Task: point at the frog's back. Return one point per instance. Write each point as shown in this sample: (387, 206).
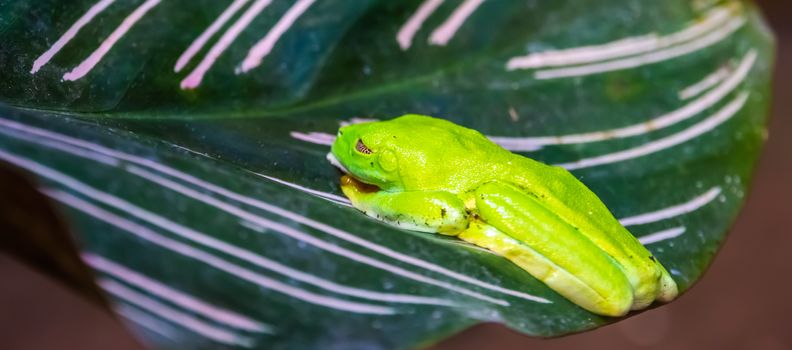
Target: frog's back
(447, 156)
(456, 138)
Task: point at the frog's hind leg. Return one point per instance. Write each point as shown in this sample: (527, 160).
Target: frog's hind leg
(514, 225)
(541, 268)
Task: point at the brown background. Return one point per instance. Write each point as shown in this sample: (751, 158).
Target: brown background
(743, 302)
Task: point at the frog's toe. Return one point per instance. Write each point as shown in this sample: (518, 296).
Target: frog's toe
(668, 288)
(654, 285)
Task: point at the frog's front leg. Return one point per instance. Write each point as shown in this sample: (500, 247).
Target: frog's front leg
(516, 225)
(426, 211)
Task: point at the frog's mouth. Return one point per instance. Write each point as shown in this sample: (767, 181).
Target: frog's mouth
(349, 178)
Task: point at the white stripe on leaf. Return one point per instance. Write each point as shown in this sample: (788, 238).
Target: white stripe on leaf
(688, 134)
(705, 84)
(174, 296)
(70, 34)
(213, 28)
(661, 235)
(622, 47)
(685, 112)
(446, 31)
(673, 211)
(144, 320)
(193, 80)
(89, 63)
(405, 35)
(214, 261)
(319, 138)
(712, 38)
(263, 48)
(324, 195)
(177, 317)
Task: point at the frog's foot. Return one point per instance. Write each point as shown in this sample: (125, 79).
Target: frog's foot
(429, 211)
(602, 294)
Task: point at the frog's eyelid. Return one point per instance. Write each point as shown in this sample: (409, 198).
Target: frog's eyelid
(362, 148)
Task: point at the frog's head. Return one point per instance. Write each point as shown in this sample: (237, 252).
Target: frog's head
(406, 152)
(369, 152)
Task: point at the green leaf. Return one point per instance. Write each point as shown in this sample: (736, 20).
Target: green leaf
(211, 217)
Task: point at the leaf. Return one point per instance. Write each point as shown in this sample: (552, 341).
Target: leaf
(207, 209)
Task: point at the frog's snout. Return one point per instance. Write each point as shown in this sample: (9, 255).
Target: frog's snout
(333, 160)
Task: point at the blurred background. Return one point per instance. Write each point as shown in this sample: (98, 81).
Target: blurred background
(741, 303)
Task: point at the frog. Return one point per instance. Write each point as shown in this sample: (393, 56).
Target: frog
(431, 175)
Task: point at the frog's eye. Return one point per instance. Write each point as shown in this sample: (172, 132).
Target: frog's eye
(362, 148)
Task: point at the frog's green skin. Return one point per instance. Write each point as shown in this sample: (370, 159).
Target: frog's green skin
(435, 176)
